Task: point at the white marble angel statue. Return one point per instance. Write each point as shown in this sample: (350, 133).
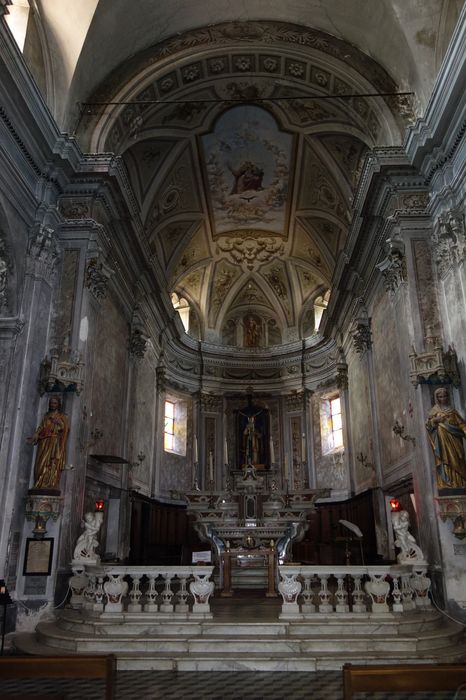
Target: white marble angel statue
(87, 542)
(404, 540)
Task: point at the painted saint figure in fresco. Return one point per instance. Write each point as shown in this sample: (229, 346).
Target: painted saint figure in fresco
(247, 177)
(447, 430)
(50, 437)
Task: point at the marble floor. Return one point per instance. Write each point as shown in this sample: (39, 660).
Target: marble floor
(251, 685)
(148, 685)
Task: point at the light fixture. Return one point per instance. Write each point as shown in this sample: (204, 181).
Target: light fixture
(395, 504)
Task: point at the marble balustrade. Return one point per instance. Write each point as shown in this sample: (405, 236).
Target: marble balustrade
(173, 590)
(307, 590)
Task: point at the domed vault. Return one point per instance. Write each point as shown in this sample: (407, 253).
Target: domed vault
(244, 150)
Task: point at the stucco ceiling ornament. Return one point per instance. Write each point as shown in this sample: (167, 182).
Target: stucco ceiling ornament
(250, 252)
(449, 241)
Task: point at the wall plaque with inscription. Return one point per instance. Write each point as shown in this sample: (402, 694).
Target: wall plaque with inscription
(38, 557)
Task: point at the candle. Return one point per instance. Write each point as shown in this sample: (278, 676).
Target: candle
(272, 453)
(303, 448)
(211, 466)
(195, 460)
(225, 451)
(286, 466)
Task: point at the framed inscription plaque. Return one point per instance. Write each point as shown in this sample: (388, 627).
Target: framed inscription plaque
(38, 557)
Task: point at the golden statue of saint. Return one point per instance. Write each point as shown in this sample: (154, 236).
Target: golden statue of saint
(447, 430)
(50, 437)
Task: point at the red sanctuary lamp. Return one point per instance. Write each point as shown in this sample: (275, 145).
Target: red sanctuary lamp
(395, 504)
(99, 505)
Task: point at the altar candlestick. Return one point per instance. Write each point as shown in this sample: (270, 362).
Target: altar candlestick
(303, 448)
(286, 466)
(272, 452)
(195, 459)
(225, 451)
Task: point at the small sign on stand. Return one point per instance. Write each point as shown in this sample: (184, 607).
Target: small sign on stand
(202, 557)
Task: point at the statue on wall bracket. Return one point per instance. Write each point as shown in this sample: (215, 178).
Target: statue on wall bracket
(447, 430)
(51, 438)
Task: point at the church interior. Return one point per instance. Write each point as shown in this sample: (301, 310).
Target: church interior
(233, 331)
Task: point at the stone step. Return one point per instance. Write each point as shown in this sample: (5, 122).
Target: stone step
(232, 641)
(330, 626)
(220, 660)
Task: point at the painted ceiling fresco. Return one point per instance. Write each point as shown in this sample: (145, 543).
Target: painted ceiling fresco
(248, 168)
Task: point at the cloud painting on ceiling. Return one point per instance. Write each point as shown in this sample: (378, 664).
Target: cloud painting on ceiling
(247, 160)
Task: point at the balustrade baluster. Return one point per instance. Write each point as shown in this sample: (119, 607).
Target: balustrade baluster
(358, 596)
(397, 597)
(115, 588)
(78, 583)
(307, 595)
(167, 594)
(99, 594)
(182, 595)
(151, 594)
(378, 589)
(89, 593)
(290, 588)
(201, 589)
(135, 594)
(341, 595)
(407, 592)
(324, 595)
(421, 583)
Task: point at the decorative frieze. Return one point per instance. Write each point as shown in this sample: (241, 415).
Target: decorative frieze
(210, 403)
(295, 401)
(434, 366)
(98, 274)
(75, 209)
(414, 200)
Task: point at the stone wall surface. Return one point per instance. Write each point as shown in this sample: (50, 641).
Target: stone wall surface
(143, 419)
(108, 403)
(390, 350)
(361, 425)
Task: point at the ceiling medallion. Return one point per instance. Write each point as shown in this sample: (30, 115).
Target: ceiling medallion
(250, 252)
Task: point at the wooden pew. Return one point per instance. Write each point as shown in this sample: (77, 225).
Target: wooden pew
(401, 678)
(19, 667)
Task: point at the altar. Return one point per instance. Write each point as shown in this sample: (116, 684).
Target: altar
(252, 519)
(246, 558)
